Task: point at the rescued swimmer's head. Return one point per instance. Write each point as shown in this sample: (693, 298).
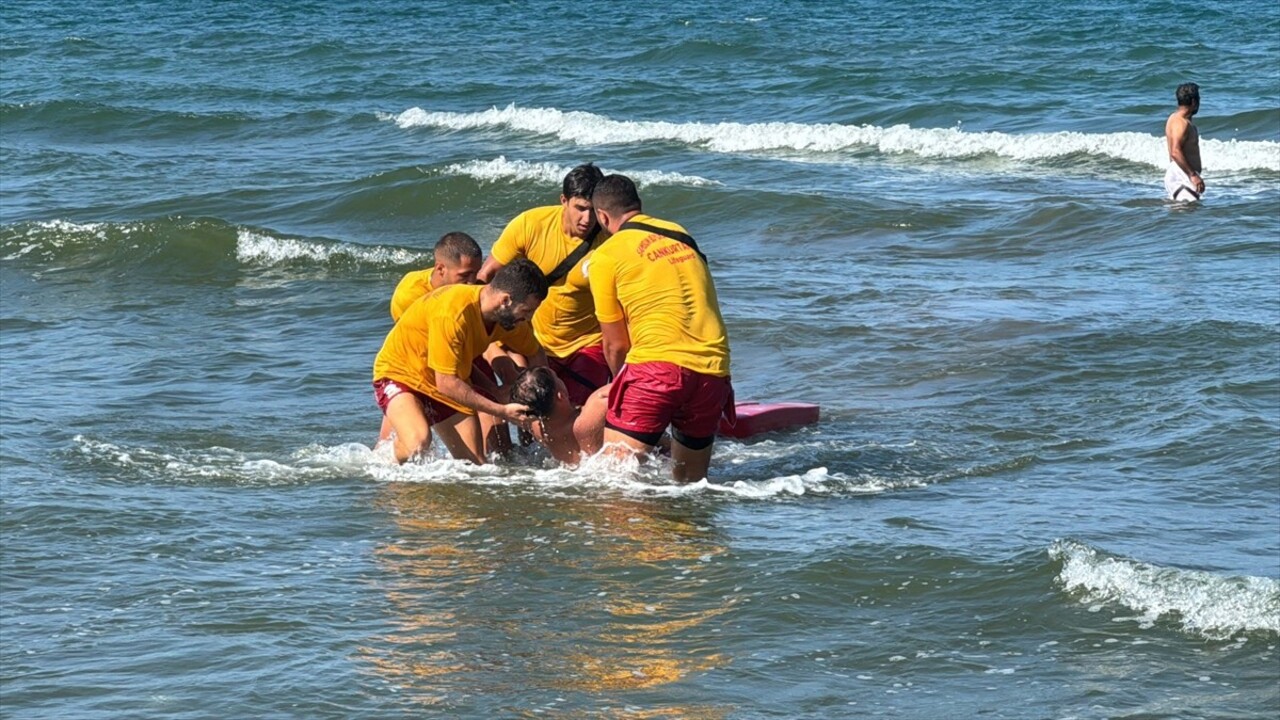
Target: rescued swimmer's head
(536, 388)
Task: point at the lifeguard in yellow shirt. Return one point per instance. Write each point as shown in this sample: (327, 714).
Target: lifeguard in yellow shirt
(455, 260)
(662, 332)
(422, 376)
(557, 238)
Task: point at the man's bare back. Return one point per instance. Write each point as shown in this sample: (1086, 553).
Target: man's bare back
(1182, 135)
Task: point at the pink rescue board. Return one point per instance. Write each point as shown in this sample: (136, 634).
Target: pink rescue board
(755, 418)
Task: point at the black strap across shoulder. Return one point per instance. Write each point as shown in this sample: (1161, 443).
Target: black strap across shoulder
(572, 258)
(673, 234)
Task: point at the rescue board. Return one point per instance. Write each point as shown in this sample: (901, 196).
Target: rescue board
(755, 418)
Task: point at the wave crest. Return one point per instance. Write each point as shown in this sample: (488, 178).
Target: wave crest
(1212, 606)
(548, 173)
(584, 128)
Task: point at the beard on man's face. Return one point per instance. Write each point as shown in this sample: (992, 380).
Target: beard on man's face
(506, 317)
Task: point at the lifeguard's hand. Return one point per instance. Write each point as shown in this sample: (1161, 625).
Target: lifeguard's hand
(518, 414)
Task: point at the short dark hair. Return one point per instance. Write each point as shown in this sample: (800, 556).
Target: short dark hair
(581, 181)
(1187, 93)
(453, 246)
(535, 387)
(616, 195)
(520, 278)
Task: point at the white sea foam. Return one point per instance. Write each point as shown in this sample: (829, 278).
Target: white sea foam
(1209, 605)
(354, 460)
(500, 168)
(215, 464)
(261, 248)
(55, 234)
(584, 128)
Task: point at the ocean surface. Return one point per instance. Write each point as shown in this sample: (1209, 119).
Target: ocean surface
(1046, 482)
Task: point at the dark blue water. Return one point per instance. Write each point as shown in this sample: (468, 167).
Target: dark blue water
(1046, 483)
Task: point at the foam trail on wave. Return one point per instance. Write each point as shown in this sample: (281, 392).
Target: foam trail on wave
(1208, 605)
(51, 233)
(260, 248)
(500, 168)
(586, 128)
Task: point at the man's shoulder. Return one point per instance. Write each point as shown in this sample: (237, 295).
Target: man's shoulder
(455, 298)
(658, 222)
(416, 277)
(539, 215)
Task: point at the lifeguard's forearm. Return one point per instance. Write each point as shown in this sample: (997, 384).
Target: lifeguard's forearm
(616, 341)
(461, 392)
(488, 270)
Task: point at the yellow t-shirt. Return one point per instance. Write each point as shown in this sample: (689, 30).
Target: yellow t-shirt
(443, 333)
(412, 286)
(565, 322)
(665, 293)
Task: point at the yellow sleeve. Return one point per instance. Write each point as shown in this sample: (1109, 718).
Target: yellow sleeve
(602, 277)
(521, 339)
(445, 346)
(511, 243)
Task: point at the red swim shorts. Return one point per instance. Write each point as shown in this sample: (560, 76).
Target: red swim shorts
(384, 389)
(582, 373)
(647, 397)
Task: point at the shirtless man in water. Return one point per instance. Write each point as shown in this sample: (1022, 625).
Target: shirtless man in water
(568, 432)
(1182, 180)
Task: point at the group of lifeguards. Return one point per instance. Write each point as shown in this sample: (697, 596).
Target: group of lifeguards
(596, 326)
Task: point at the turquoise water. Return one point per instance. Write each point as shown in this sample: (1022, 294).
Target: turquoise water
(1046, 483)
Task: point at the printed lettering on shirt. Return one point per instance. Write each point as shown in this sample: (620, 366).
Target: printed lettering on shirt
(645, 243)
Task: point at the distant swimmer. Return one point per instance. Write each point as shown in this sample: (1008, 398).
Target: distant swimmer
(422, 377)
(664, 337)
(1182, 180)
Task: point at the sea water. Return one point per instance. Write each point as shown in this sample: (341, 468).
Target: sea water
(1046, 482)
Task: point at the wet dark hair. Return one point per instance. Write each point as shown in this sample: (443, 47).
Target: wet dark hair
(581, 181)
(616, 195)
(1187, 93)
(454, 246)
(520, 278)
(535, 387)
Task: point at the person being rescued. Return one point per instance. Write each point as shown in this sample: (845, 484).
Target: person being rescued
(568, 432)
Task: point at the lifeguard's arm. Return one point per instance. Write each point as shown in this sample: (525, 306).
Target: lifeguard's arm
(490, 268)
(1176, 135)
(616, 337)
(617, 342)
(481, 382)
(461, 392)
(509, 246)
